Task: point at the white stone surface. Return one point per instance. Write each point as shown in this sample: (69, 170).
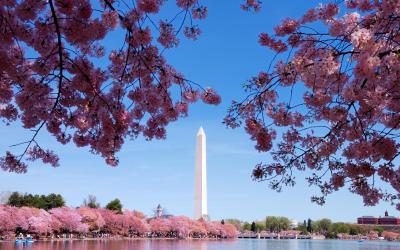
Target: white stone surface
(200, 181)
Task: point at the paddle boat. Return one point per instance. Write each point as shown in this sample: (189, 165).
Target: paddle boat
(21, 240)
(29, 239)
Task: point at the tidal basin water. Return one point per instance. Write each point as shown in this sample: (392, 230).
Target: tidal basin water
(244, 244)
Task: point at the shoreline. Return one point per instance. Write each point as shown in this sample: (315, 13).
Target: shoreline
(190, 239)
(125, 238)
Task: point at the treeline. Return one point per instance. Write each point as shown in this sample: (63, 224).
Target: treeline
(52, 200)
(322, 227)
(332, 229)
(271, 223)
(45, 202)
(91, 222)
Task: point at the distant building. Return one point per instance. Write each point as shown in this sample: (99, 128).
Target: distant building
(386, 220)
(294, 223)
(369, 220)
(160, 212)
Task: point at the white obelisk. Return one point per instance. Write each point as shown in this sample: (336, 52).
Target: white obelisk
(200, 179)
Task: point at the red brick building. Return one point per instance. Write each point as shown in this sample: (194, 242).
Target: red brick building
(369, 220)
(386, 220)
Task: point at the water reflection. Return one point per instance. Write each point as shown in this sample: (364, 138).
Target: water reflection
(203, 245)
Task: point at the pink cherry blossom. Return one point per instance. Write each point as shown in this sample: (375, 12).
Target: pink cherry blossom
(192, 32)
(50, 81)
(160, 227)
(200, 12)
(40, 223)
(7, 219)
(251, 5)
(68, 219)
(332, 104)
(185, 4)
(277, 45)
(167, 36)
(91, 217)
(85, 220)
(211, 97)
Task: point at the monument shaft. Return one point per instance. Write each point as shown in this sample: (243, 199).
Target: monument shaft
(200, 190)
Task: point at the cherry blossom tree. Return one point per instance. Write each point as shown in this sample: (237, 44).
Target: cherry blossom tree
(197, 229)
(40, 223)
(22, 216)
(7, 219)
(329, 103)
(180, 226)
(138, 214)
(67, 219)
(135, 223)
(160, 227)
(92, 217)
(230, 230)
(110, 220)
(86, 220)
(50, 79)
(91, 220)
(212, 229)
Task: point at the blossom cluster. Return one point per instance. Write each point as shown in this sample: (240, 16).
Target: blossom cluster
(49, 78)
(85, 220)
(251, 5)
(330, 103)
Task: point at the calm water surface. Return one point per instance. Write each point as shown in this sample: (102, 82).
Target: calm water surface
(207, 245)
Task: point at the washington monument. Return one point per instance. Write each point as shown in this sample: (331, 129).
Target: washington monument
(200, 179)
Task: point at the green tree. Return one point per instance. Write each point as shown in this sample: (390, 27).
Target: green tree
(53, 200)
(302, 228)
(379, 230)
(253, 227)
(91, 202)
(39, 201)
(271, 223)
(277, 224)
(338, 227)
(246, 226)
(309, 225)
(356, 229)
(115, 205)
(15, 200)
(322, 226)
(260, 226)
(283, 223)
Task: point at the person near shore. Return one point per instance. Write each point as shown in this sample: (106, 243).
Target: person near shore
(20, 236)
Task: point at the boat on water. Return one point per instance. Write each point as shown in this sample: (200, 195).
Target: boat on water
(21, 240)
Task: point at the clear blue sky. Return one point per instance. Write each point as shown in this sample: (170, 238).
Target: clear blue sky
(155, 172)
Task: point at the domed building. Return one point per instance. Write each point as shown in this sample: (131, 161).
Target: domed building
(160, 212)
(293, 223)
